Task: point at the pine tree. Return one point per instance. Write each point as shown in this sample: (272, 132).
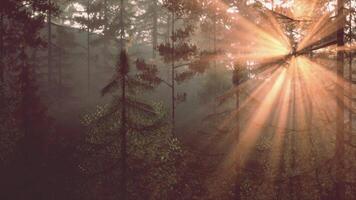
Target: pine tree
(146, 78)
(126, 114)
(179, 49)
(25, 114)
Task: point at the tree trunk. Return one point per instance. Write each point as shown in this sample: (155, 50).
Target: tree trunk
(123, 131)
(49, 22)
(173, 75)
(236, 81)
(154, 29)
(2, 62)
(217, 87)
(105, 16)
(123, 142)
(105, 28)
(350, 75)
(60, 75)
(88, 46)
(122, 25)
(340, 146)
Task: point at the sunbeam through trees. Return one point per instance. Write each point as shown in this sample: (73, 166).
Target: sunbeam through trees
(177, 99)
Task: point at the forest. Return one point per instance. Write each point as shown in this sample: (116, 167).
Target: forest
(177, 100)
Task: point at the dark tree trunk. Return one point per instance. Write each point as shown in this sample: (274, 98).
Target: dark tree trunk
(351, 72)
(154, 29)
(88, 46)
(123, 131)
(60, 74)
(105, 26)
(123, 141)
(49, 22)
(217, 87)
(105, 16)
(2, 62)
(173, 75)
(122, 25)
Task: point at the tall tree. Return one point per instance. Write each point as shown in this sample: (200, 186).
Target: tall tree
(179, 52)
(88, 44)
(127, 116)
(123, 70)
(88, 24)
(49, 42)
(340, 134)
(22, 22)
(19, 26)
(2, 47)
(154, 27)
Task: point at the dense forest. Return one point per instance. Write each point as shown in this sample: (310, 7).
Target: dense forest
(177, 99)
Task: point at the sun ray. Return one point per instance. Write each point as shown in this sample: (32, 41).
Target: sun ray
(297, 94)
(282, 121)
(250, 133)
(325, 27)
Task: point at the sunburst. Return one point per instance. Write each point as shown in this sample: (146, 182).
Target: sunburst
(299, 93)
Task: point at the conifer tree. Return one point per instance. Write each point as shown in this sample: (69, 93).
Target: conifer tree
(123, 107)
(180, 52)
(25, 113)
(127, 117)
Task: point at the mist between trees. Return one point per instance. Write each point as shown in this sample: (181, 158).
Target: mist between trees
(177, 99)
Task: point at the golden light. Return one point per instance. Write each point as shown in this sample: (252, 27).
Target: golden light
(290, 98)
(303, 9)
